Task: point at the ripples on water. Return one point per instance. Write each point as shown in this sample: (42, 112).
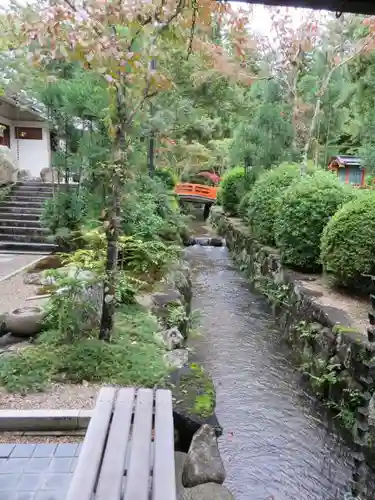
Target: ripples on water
(275, 444)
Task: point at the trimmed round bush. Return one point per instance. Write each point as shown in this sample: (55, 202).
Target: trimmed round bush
(348, 244)
(232, 189)
(302, 213)
(243, 207)
(262, 205)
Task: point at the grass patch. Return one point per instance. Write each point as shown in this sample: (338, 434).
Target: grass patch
(131, 358)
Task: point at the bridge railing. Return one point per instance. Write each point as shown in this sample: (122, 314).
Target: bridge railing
(199, 190)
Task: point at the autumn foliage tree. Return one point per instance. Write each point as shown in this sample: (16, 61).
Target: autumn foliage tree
(122, 43)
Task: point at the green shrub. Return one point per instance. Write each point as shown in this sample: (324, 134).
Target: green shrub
(66, 210)
(132, 358)
(262, 203)
(232, 189)
(166, 176)
(348, 244)
(243, 207)
(150, 212)
(303, 211)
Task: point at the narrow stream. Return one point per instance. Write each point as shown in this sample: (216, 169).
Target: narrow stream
(276, 445)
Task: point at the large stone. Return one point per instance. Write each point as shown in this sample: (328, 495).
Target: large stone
(49, 262)
(209, 491)
(194, 402)
(25, 321)
(203, 463)
(163, 303)
(8, 168)
(33, 279)
(23, 175)
(179, 460)
(3, 325)
(177, 358)
(180, 278)
(171, 338)
(46, 175)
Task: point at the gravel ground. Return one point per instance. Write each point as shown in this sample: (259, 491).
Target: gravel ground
(56, 397)
(10, 263)
(14, 293)
(356, 307)
(9, 437)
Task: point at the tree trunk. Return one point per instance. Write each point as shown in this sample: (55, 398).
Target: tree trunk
(112, 227)
(112, 234)
(307, 147)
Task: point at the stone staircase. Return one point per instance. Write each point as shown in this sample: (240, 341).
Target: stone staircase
(20, 212)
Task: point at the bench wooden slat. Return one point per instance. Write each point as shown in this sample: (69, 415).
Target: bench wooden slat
(113, 465)
(138, 474)
(164, 481)
(87, 469)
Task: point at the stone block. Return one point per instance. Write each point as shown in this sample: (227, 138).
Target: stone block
(44, 450)
(56, 481)
(23, 450)
(13, 466)
(43, 420)
(30, 482)
(37, 465)
(61, 464)
(9, 482)
(66, 450)
(209, 491)
(203, 462)
(6, 450)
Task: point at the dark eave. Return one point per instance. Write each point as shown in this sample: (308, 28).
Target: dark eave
(353, 6)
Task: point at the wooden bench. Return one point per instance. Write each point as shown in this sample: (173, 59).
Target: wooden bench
(128, 450)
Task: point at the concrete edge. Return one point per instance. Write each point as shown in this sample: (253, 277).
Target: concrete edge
(44, 420)
(23, 268)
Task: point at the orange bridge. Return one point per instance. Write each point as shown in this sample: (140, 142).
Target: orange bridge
(196, 193)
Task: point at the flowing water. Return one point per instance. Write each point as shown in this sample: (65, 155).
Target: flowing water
(277, 443)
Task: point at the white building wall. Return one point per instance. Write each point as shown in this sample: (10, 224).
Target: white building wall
(31, 155)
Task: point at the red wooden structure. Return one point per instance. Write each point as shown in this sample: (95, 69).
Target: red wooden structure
(196, 193)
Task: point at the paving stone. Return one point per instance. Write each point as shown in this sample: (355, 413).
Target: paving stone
(24, 495)
(6, 450)
(56, 481)
(66, 450)
(30, 482)
(8, 482)
(8, 495)
(13, 465)
(23, 450)
(73, 464)
(44, 450)
(50, 495)
(61, 464)
(78, 450)
(37, 464)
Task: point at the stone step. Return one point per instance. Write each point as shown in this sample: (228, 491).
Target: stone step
(22, 238)
(25, 231)
(25, 191)
(25, 205)
(26, 247)
(20, 209)
(15, 197)
(27, 216)
(4, 222)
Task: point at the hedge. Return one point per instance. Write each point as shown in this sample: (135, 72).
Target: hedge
(348, 244)
(232, 189)
(262, 204)
(302, 213)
